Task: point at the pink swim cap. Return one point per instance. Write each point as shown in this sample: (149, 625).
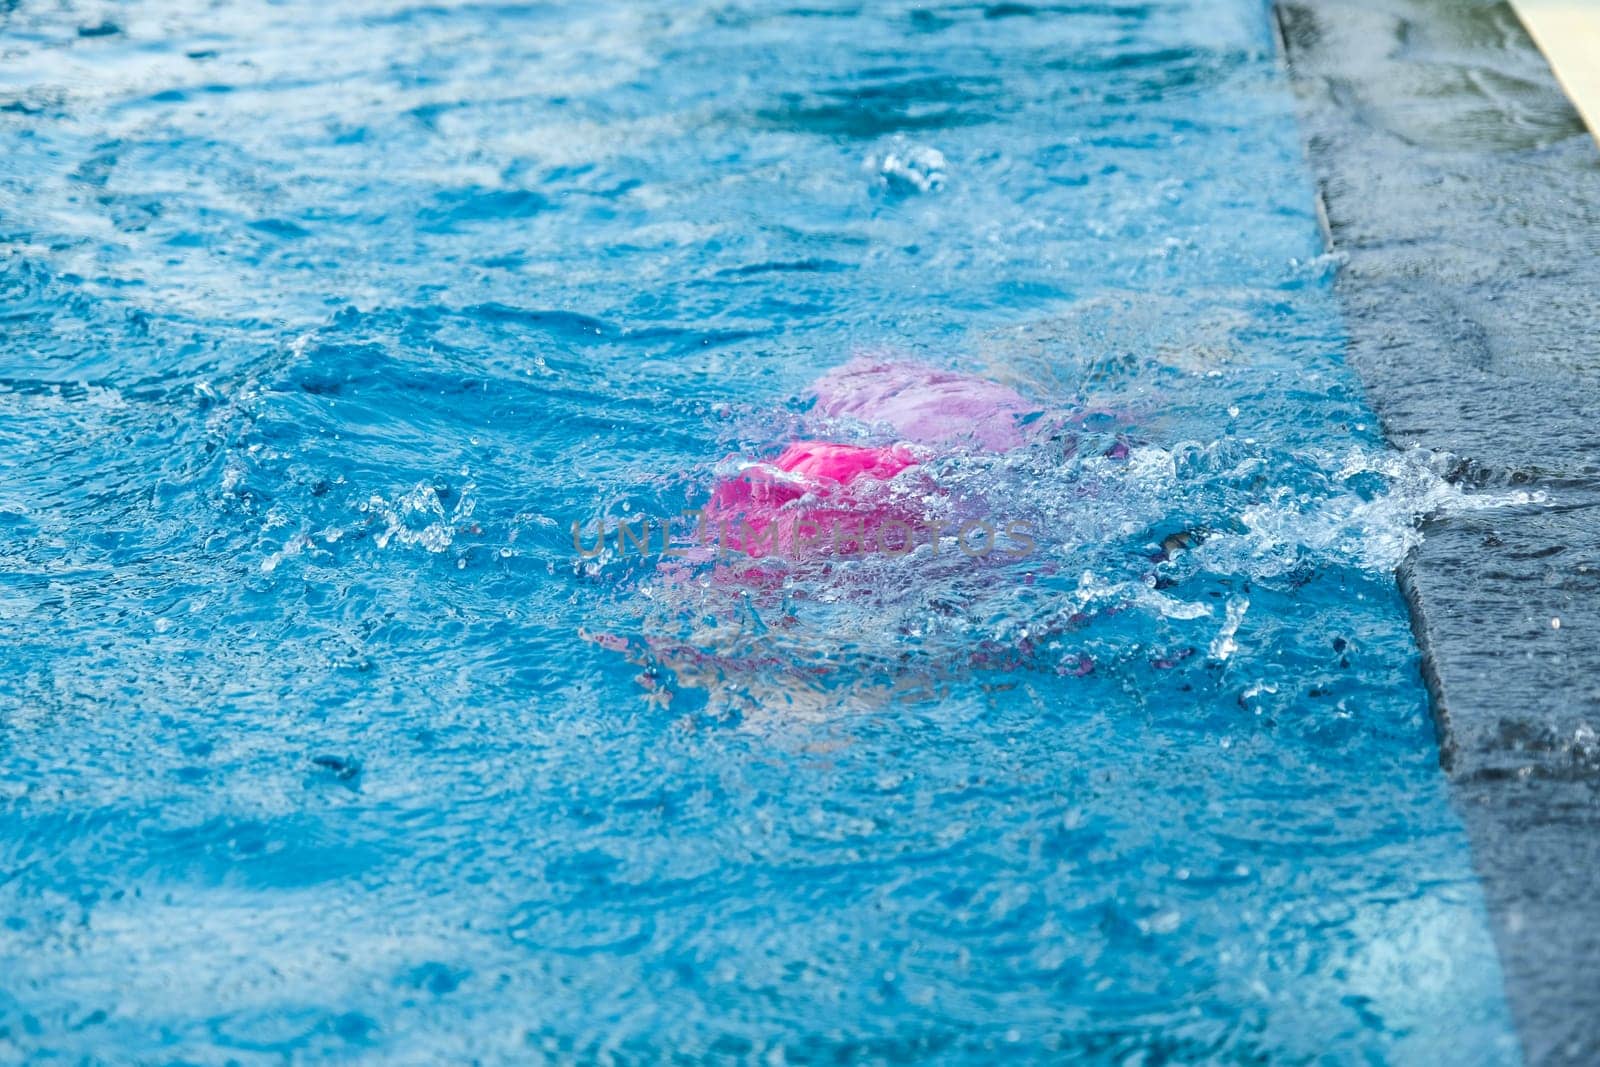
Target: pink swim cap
(820, 484)
(843, 484)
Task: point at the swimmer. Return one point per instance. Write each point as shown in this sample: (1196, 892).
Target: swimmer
(728, 630)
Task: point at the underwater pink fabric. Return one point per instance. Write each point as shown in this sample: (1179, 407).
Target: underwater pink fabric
(923, 405)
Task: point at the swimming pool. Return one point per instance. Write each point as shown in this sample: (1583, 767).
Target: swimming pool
(326, 322)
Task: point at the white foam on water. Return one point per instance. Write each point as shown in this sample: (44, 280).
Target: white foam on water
(908, 167)
(1183, 518)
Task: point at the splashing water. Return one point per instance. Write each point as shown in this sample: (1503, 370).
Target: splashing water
(1147, 532)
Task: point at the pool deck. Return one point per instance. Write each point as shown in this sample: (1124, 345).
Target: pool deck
(1462, 192)
(1568, 33)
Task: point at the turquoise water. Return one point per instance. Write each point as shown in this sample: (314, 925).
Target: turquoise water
(324, 322)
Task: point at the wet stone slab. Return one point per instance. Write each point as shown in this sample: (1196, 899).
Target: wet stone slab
(1462, 193)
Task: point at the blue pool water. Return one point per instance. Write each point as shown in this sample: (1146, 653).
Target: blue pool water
(324, 322)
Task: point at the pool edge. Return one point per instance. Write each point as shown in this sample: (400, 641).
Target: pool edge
(1491, 364)
(1564, 32)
